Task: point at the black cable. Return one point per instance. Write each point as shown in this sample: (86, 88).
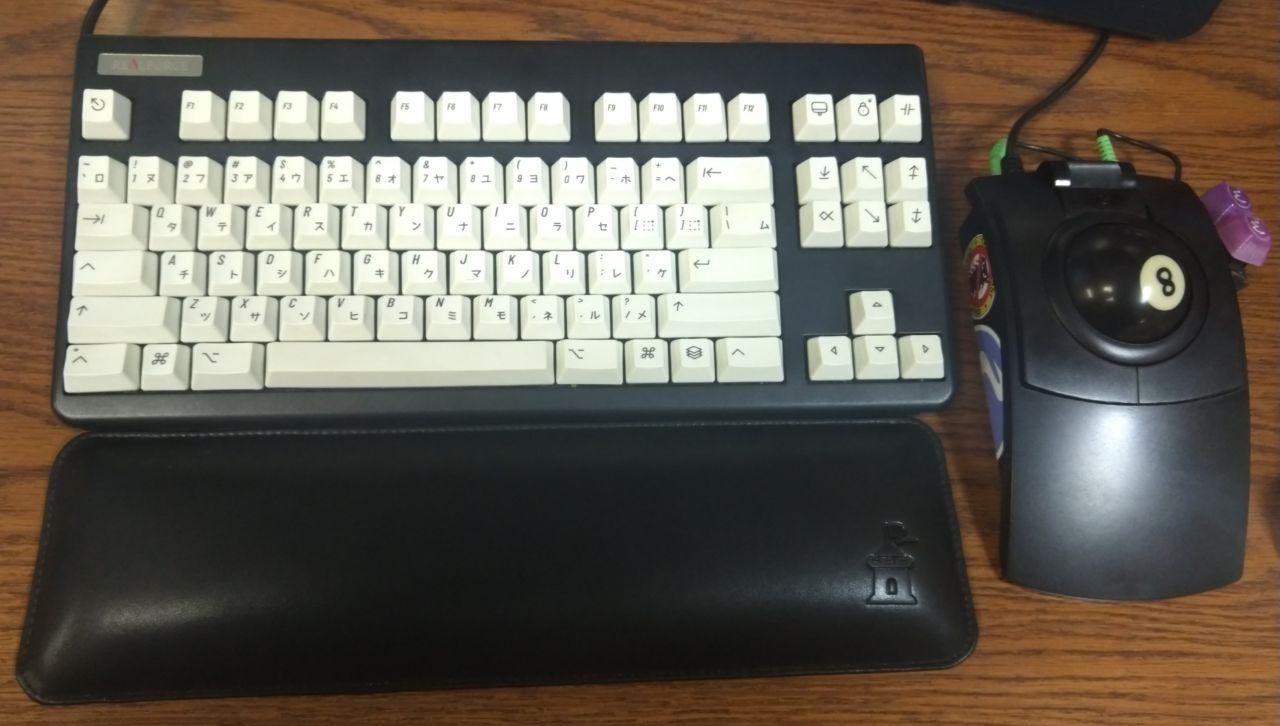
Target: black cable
(1177, 163)
(1047, 150)
(91, 17)
(1011, 161)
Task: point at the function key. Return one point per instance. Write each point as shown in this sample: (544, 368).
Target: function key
(704, 118)
(249, 115)
(342, 117)
(458, 117)
(548, 117)
(203, 117)
(503, 117)
(749, 117)
(813, 117)
(297, 116)
(413, 117)
(660, 118)
(901, 119)
(105, 115)
(615, 117)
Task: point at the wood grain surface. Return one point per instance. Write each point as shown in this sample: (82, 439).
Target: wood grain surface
(1213, 98)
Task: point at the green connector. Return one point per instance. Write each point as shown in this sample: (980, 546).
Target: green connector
(997, 155)
(1106, 151)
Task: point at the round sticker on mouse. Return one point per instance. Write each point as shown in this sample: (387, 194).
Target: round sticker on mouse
(982, 282)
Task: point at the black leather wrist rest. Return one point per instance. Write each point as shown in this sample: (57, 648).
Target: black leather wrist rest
(177, 566)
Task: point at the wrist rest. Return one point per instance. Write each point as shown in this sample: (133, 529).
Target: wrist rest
(194, 565)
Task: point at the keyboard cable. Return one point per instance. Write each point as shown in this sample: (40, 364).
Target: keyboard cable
(91, 17)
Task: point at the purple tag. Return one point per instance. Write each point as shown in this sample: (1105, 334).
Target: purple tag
(1245, 237)
(1225, 199)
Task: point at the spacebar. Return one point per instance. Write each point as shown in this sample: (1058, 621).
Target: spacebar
(410, 365)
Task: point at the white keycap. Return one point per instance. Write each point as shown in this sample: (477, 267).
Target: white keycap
(813, 117)
(231, 273)
(352, 317)
(548, 116)
(423, 273)
(713, 315)
(921, 356)
(341, 180)
(199, 181)
(253, 319)
(654, 271)
(166, 367)
(293, 180)
(615, 117)
(413, 117)
(375, 272)
(249, 116)
(645, 361)
(102, 180)
(641, 227)
(704, 118)
(303, 318)
(901, 119)
(748, 117)
(749, 224)
(862, 180)
(871, 312)
(410, 365)
(503, 117)
(728, 270)
(687, 226)
(495, 317)
(749, 360)
(662, 181)
(506, 227)
(203, 117)
(364, 227)
(587, 317)
(875, 358)
(713, 180)
(123, 320)
(328, 273)
(247, 181)
(830, 358)
(388, 180)
(660, 117)
(104, 115)
(183, 274)
(480, 181)
(866, 225)
(280, 273)
(123, 272)
(173, 227)
(596, 227)
(564, 273)
(634, 316)
(111, 227)
(820, 224)
(910, 225)
(517, 273)
(297, 116)
(589, 362)
(905, 180)
(413, 227)
(227, 367)
(221, 227)
(551, 227)
(151, 180)
(458, 227)
(618, 181)
(101, 368)
(857, 118)
(471, 273)
(608, 273)
(457, 117)
(268, 227)
(542, 317)
(573, 181)
(818, 179)
(693, 360)
(448, 317)
(342, 116)
(528, 181)
(435, 180)
(400, 317)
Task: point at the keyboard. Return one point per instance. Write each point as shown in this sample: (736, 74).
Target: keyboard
(298, 232)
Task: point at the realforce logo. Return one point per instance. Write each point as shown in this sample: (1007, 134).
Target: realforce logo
(150, 64)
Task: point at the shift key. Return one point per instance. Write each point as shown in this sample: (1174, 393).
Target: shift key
(718, 315)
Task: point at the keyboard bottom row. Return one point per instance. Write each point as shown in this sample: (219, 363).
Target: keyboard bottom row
(121, 367)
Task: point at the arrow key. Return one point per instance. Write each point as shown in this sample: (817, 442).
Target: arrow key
(875, 358)
(866, 225)
(921, 356)
(871, 312)
(905, 180)
(101, 368)
(910, 225)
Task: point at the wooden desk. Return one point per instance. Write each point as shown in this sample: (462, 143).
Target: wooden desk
(1212, 98)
